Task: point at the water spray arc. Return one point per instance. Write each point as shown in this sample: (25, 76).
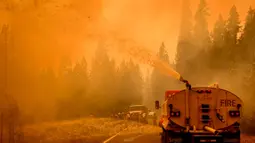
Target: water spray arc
(141, 54)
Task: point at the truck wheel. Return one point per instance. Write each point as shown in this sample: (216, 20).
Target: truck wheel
(164, 137)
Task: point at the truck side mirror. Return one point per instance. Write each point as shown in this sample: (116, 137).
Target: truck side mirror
(157, 104)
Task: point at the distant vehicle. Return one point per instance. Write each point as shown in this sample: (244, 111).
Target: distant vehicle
(121, 115)
(138, 113)
(118, 115)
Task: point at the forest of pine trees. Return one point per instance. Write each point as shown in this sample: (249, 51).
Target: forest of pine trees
(226, 55)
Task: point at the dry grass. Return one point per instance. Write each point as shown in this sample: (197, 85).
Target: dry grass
(86, 129)
(92, 130)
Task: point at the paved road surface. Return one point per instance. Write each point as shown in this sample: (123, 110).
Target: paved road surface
(155, 138)
(136, 138)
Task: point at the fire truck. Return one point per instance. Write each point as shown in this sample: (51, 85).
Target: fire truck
(200, 114)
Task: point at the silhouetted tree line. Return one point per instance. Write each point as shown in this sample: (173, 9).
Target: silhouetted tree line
(73, 90)
(103, 90)
(228, 51)
(107, 88)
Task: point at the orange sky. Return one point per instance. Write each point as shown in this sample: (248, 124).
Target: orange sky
(66, 27)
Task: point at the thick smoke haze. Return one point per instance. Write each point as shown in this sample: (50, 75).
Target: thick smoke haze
(61, 24)
(45, 31)
(150, 22)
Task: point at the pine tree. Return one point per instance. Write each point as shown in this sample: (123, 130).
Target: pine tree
(233, 26)
(184, 47)
(65, 88)
(80, 84)
(160, 82)
(246, 49)
(103, 82)
(201, 33)
(124, 85)
(186, 21)
(74, 86)
(130, 85)
(218, 32)
(202, 43)
(138, 82)
(232, 30)
(65, 76)
(218, 43)
(247, 41)
(80, 76)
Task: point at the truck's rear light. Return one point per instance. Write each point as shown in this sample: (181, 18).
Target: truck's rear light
(200, 91)
(234, 113)
(175, 114)
(208, 91)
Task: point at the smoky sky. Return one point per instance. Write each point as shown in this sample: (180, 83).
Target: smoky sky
(57, 28)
